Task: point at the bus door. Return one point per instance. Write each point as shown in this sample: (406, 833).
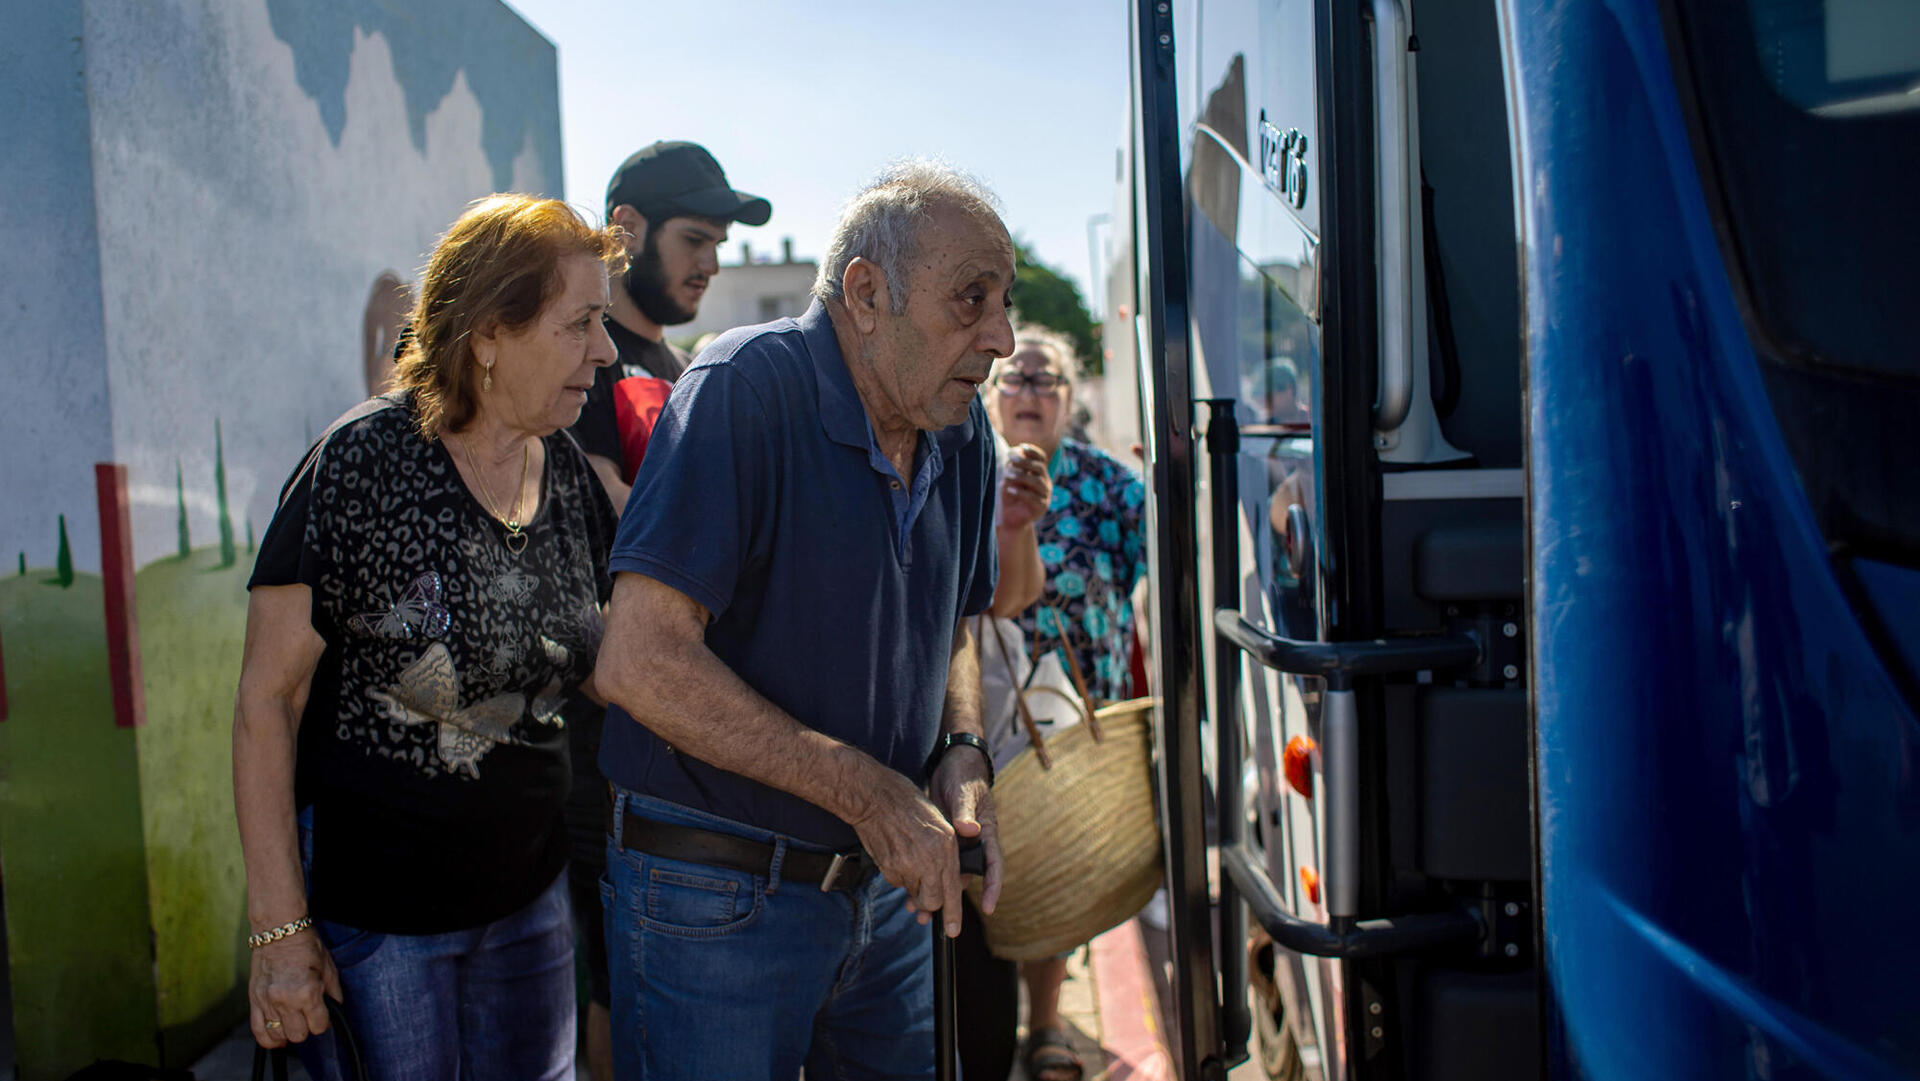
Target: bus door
(1336, 420)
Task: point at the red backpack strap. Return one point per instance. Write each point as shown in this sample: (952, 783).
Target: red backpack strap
(637, 402)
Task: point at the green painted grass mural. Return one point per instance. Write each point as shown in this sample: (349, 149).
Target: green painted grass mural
(193, 618)
(78, 936)
(126, 898)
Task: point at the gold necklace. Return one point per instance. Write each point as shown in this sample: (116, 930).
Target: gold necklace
(515, 530)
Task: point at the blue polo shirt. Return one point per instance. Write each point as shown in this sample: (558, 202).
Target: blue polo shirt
(835, 584)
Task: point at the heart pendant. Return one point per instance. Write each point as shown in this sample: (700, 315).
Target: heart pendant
(516, 543)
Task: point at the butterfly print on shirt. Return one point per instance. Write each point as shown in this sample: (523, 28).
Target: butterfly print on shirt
(417, 614)
(513, 586)
(428, 692)
(546, 704)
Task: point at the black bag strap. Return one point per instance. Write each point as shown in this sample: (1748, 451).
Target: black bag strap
(344, 1041)
(262, 1056)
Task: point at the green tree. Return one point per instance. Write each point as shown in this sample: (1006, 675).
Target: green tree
(249, 536)
(62, 563)
(180, 499)
(23, 564)
(227, 555)
(1041, 295)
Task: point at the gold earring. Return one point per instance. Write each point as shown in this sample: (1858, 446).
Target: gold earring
(486, 384)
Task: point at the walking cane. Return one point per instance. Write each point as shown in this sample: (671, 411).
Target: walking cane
(946, 1015)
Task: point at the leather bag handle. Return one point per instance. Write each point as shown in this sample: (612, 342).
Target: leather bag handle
(344, 1041)
(1020, 701)
(1074, 673)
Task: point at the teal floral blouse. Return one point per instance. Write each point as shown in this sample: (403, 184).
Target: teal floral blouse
(1094, 552)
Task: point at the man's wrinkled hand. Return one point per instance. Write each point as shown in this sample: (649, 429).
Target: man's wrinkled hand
(912, 844)
(960, 788)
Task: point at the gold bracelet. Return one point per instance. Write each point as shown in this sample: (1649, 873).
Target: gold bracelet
(293, 927)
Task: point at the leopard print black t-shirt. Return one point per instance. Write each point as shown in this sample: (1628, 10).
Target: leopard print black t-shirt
(432, 751)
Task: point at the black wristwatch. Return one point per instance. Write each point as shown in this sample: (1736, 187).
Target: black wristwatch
(950, 740)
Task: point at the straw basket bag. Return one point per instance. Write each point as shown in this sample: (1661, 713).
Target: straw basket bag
(1079, 839)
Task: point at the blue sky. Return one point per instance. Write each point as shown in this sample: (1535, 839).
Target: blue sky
(803, 102)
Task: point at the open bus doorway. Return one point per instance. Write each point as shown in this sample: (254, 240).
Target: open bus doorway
(1671, 450)
(1328, 303)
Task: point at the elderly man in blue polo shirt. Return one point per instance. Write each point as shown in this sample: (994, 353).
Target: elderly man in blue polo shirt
(794, 743)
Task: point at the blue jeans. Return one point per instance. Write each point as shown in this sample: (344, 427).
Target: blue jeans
(493, 1002)
(723, 974)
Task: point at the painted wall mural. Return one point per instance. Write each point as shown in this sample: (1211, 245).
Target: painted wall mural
(213, 208)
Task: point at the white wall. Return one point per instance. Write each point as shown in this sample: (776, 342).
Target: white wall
(734, 297)
(53, 388)
(250, 167)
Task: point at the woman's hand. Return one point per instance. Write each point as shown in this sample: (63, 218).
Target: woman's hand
(1025, 488)
(284, 989)
(285, 977)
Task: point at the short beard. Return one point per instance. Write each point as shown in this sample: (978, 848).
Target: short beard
(646, 283)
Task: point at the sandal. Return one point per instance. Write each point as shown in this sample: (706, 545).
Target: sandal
(1050, 1057)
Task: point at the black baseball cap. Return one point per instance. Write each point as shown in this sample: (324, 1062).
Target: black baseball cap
(669, 179)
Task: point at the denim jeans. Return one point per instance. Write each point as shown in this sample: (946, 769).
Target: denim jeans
(493, 1002)
(724, 974)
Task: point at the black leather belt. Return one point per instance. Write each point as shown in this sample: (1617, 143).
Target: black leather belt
(831, 871)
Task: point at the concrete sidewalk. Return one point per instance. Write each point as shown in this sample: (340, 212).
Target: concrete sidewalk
(1112, 1002)
(1111, 1011)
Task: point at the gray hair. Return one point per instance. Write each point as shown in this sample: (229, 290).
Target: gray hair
(881, 223)
(1064, 354)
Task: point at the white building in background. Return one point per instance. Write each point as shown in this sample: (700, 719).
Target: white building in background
(750, 292)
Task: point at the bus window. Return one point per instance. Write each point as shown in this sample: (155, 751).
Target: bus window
(1840, 58)
(1810, 112)
(1807, 129)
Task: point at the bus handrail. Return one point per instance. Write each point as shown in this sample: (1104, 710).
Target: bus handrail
(1342, 937)
(1338, 661)
(1397, 317)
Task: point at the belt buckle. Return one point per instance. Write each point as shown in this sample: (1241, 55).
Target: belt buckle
(833, 872)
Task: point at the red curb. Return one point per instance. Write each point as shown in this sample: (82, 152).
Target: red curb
(1129, 1012)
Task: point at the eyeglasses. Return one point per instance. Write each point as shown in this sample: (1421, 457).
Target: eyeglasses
(1011, 383)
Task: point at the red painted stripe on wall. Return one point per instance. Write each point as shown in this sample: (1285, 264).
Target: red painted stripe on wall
(116, 573)
(1129, 1013)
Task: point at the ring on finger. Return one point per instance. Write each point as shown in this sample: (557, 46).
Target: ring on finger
(273, 1024)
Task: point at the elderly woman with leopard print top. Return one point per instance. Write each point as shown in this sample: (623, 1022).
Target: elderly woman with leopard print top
(428, 592)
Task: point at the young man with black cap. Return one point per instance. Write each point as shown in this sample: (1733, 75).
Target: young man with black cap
(676, 205)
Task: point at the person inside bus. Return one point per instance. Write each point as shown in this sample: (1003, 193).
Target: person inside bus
(1093, 549)
(1282, 395)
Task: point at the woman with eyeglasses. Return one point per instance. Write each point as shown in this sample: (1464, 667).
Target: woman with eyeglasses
(1093, 551)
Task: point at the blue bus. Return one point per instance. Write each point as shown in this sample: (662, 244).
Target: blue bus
(1535, 593)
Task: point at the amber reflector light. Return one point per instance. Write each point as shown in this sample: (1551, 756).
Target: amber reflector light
(1297, 763)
